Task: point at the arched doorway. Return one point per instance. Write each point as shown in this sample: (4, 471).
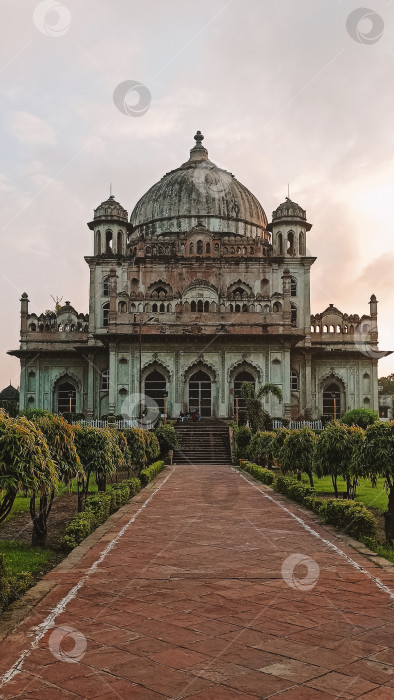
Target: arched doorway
(155, 386)
(240, 379)
(332, 401)
(66, 397)
(200, 393)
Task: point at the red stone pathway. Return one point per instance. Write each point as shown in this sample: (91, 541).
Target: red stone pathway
(191, 601)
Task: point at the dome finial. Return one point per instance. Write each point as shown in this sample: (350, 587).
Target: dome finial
(198, 138)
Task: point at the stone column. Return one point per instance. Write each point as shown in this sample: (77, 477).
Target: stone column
(22, 388)
(112, 379)
(286, 277)
(308, 388)
(286, 383)
(112, 297)
(91, 376)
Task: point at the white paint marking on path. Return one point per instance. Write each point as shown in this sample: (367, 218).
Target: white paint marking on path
(329, 544)
(60, 607)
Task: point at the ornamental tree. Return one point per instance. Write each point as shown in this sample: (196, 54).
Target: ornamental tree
(59, 436)
(136, 444)
(362, 417)
(260, 448)
(278, 442)
(376, 459)
(297, 453)
(258, 418)
(335, 451)
(25, 461)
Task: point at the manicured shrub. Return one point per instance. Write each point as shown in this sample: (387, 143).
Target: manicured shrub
(152, 447)
(363, 417)
(266, 476)
(277, 442)
(242, 438)
(335, 455)
(167, 437)
(146, 475)
(297, 452)
(293, 489)
(375, 459)
(137, 446)
(260, 448)
(79, 528)
(352, 518)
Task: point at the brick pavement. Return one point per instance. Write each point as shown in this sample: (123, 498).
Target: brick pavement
(192, 601)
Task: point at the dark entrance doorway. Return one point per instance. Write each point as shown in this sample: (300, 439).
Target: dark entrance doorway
(155, 386)
(200, 398)
(332, 401)
(239, 379)
(66, 398)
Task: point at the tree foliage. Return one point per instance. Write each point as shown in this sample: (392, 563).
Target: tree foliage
(375, 459)
(335, 450)
(363, 417)
(257, 417)
(298, 451)
(260, 448)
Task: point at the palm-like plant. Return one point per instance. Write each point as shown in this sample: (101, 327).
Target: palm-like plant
(257, 417)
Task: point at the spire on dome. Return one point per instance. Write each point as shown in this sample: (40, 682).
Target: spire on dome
(198, 152)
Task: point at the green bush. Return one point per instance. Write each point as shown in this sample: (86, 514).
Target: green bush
(167, 437)
(293, 489)
(11, 585)
(260, 448)
(150, 472)
(259, 473)
(99, 507)
(352, 518)
(136, 444)
(363, 417)
(242, 438)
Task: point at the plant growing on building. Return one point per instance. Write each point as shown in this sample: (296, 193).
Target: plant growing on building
(297, 452)
(258, 418)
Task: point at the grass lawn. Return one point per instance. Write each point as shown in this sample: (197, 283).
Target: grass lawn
(20, 557)
(367, 494)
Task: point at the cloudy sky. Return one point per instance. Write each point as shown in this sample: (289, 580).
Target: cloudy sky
(285, 91)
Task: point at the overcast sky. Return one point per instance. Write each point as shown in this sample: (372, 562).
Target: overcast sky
(299, 92)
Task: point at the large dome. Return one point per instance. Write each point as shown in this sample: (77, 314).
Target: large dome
(199, 190)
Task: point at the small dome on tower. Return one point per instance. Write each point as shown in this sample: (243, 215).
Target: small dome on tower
(288, 210)
(110, 209)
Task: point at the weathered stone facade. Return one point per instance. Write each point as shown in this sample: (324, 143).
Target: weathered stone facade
(193, 295)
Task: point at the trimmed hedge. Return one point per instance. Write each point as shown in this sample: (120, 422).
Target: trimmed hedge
(98, 508)
(259, 473)
(146, 475)
(352, 518)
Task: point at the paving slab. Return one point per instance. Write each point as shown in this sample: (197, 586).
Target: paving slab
(207, 585)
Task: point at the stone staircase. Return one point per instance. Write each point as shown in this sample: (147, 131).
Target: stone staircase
(203, 442)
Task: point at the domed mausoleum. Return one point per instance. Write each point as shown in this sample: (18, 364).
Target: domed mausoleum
(194, 295)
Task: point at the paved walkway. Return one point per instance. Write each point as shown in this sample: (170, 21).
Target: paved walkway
(204, 594)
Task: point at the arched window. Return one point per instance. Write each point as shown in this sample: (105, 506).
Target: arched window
(122, 307)
(105, 314)
(200, 306)
(104, 384)
(31, 381)
(312, 329)
(182, 248)
(66, 397)
(301, 243)
(206, 306)
(293, 287)
(290, 243)
(106, 286)
(169, 308)
(294, 383)
(265, 285)
(325, 329)
(216, 247)
(191, 248)
(155, 386)
(332, 401)
(108, 241)
(200, 248)
(293, 314)
(365, 328)
(280, 244)
(332, 329)
(154, 308)
(240, 379)
(162, 308)
(119, 248)
(277, 306)
(32, 327)
(193, 307)
(245, 307)
(237, 308)
(98, 242)
(158, 292)
(208, 248)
